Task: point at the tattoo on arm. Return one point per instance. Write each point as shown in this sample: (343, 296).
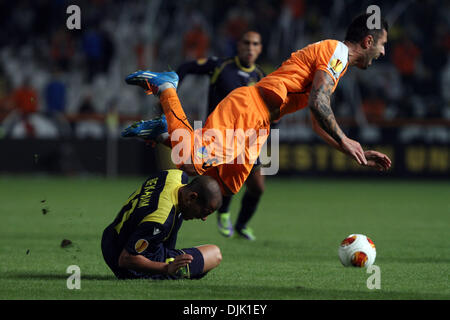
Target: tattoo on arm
(319, 103)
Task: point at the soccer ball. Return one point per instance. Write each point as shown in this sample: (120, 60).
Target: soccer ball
(357, 250)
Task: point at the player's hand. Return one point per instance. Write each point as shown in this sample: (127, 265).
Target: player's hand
(377, 160)
(180, 261)
(354, 150)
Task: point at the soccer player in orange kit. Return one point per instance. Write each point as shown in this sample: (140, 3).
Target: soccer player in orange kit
(225, 75)
(307, 79)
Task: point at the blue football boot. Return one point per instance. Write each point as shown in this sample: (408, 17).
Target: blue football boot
(153, 82)
(146, 129)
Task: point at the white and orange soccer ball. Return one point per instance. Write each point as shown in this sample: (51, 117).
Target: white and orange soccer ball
(357, 250)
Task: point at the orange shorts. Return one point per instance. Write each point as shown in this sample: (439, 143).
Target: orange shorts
(229, 143)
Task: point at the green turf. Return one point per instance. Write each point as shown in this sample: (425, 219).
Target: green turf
(298, 226)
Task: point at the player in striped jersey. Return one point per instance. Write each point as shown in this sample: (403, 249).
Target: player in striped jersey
(140, 242)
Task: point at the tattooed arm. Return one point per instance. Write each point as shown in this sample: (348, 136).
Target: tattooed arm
(319, 104)
(325, 136)
(324, 122)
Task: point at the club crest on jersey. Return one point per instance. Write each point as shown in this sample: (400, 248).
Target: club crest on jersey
(141, 245)
(202, 152)
(336, 65)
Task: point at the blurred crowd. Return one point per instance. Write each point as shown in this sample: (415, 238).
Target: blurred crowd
(56, 82)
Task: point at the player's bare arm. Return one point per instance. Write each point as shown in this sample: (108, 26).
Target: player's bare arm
(375, 159)
(325, 136)
(142, 264)
(319, 104)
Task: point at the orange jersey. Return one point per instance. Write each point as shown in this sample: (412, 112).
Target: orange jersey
(227, 156)
(292, 80)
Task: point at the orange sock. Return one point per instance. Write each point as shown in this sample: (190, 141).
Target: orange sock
(171, 105)
(176, 119)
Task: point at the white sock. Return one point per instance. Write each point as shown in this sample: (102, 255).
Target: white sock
(162, 137)
(164, 86)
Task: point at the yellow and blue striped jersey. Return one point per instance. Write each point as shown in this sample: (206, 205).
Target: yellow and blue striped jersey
(149, 218)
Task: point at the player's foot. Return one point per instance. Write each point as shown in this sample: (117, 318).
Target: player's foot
(246, 233)
(153, 82)
(224, 224)
(147, 130)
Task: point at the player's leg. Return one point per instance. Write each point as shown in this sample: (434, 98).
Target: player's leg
(255, 189)
(213, 145)
(242, 109)
(211, 256)
(164, 86)
(224, 224)
(205, 258)
(208, 152)
(177, 120)
(161, 129)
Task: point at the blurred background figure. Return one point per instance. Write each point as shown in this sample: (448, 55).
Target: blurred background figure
(19, 121)
(56, 101)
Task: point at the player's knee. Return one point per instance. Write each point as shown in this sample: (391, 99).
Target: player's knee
(255, 183)
(212, 256)
(216, 255)
(256, 189)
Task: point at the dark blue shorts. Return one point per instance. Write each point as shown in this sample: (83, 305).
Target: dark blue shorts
(111, 252)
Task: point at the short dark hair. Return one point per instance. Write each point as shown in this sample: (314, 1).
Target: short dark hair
(241, 37)
(358, 30)
(207, 189)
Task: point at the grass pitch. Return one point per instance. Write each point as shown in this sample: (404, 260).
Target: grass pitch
(299, 225)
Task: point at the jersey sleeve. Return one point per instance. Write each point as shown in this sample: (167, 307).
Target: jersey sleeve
(332, 57)
(203, 66)
(146, 238)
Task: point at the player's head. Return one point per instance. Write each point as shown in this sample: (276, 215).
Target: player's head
(249, 47)
(201, 197)
(370, 41)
